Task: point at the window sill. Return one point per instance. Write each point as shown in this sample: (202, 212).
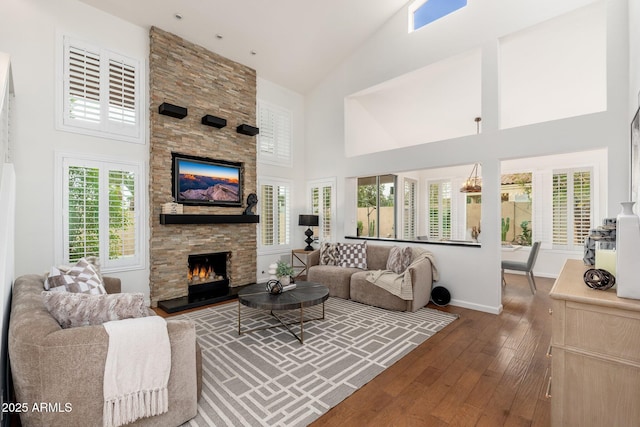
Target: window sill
(462, 243)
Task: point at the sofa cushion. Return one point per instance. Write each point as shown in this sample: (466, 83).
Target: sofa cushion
(81, 278)
(80, 309)
(353, 255)
(399, 259)
(365, 292)
(329, 254)
(334, 277)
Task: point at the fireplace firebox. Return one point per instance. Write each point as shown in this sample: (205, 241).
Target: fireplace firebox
(207, 275)
(207, 278)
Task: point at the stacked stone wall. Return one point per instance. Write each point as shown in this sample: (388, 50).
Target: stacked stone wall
(185, 74)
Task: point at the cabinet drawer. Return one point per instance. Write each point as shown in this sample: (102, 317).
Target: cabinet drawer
(593, 392)
(603, 330)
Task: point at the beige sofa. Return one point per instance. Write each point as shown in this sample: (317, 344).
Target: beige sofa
(351, 283)
(58, 366)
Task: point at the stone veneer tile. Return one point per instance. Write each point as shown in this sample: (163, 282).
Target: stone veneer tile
(185, 74)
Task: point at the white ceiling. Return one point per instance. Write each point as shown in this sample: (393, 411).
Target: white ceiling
(297, 42)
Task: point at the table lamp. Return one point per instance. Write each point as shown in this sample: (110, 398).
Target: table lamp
(309, 221)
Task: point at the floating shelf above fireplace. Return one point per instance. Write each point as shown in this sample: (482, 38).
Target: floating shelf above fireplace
(167, 219)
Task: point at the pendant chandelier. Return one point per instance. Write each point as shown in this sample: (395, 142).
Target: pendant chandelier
(473, 184)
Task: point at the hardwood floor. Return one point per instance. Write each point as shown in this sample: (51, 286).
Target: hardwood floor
(482, 370)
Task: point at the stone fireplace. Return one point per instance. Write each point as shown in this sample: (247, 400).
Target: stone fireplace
(188, 75)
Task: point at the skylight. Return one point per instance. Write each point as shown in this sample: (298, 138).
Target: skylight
(424, 12)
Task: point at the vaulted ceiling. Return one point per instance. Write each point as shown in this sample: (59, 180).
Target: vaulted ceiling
(296, 42)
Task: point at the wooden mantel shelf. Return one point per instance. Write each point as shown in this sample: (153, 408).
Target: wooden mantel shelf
(166, 219)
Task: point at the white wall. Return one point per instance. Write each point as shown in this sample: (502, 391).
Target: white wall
(392, 52)
(283, 97)
(28, 32)
(634, 57)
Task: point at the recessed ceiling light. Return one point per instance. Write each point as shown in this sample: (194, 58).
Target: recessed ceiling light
(178, 16)
(253, 52)
(219, 36)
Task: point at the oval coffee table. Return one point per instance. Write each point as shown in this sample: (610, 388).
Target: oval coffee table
(306, 294)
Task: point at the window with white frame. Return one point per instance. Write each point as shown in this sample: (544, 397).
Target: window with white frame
(101, 92)
(410, 212)
(439, 208)
(323, 198)
(100, 205)
(275, 213)
(275, 139)
(572, 207)
(376, 205)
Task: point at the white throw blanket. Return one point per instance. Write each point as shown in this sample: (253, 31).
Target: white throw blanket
(136, 373)
(401, 285)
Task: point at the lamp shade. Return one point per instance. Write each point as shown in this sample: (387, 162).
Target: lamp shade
(308, 220)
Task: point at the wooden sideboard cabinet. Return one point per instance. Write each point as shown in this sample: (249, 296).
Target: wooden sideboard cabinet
(595, 367)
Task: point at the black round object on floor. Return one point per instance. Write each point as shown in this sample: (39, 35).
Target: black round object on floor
(440, 296)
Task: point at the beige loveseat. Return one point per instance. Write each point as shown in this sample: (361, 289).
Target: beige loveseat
(56, 366)
(351, 283)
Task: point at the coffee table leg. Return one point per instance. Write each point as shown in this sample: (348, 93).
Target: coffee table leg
(301, 326)
(239, 333)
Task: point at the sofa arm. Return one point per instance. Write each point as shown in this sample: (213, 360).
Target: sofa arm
(313, 258)
(113, 285)
(422, 280)
(68, 367)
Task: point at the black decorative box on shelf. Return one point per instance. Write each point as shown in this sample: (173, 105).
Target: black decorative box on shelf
(166, 219)
(171, 110)
(246, 129)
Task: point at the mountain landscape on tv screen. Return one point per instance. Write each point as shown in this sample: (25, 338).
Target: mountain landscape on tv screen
(208, 188)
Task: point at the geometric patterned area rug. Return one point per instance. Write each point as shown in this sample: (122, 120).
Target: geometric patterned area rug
(267, 378)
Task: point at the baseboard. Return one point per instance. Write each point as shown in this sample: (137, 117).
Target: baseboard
(477, 307)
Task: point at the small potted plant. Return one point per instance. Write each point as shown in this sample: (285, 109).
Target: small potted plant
(284, 272)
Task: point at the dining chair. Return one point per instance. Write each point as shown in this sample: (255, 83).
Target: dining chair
(526, 266)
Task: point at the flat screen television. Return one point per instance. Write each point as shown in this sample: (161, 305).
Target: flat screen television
(203, 181)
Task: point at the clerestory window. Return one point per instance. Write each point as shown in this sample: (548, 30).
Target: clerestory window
(423, 12)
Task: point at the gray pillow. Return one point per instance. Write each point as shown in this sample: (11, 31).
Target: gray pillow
(78, 309)
(329, 254)
(82, 277)
(353, 255)
(399, 259)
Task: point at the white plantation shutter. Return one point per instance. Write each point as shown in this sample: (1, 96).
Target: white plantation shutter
(267, 223)
(122, 92)
(100, 211)
(322, 194)
(458, 229)
(83, 212)
(122, 209)
(283, 214)
(572, 207)
(101, 92)
(82, 85)
(275, 138)
(542, 193)
(439, 210)
(275, 215)
(560, 209)
(433, 207)
(410, 209)
(581, 206)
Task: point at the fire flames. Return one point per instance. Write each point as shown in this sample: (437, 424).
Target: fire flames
(200, 273)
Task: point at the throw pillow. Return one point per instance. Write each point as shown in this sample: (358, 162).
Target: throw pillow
(77, 309)
(399, 259)
(82, 278)
(329, 254)
(353, 255)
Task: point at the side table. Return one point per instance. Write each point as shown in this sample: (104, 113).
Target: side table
(299, 261)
